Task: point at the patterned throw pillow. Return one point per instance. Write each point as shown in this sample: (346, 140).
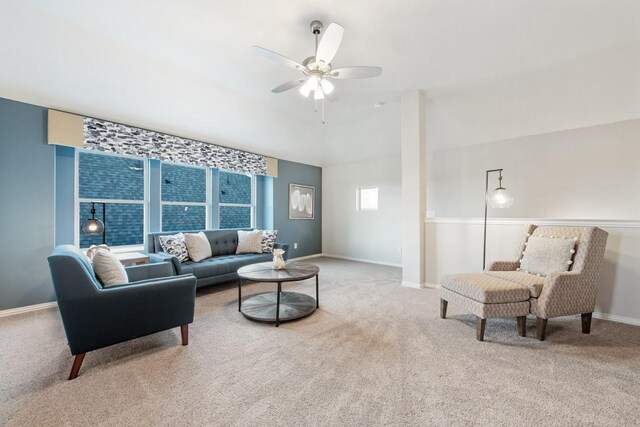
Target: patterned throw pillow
(268, 240)
(545, 255)
(249, 242)
(175, 245)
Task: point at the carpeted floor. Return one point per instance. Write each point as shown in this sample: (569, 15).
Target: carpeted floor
(375, 353)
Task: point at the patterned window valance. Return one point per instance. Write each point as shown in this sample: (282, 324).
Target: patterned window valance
(102, 135)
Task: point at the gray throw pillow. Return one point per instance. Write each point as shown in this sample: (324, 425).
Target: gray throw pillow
(545, 255)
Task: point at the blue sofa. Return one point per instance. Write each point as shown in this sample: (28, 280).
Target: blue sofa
(221, 267)
(96, 317)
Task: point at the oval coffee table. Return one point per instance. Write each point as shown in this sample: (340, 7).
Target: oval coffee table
(276, 307)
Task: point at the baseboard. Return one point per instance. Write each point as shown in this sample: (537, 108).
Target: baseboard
(616, 318)
(370, 261)
(28, 308)
(306, 257)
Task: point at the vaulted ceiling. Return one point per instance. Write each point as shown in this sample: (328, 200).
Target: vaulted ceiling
(490, 69)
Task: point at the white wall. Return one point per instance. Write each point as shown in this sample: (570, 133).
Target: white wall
(576, 177)
(362, 235)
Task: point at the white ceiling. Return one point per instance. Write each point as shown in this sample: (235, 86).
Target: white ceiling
(491, 69)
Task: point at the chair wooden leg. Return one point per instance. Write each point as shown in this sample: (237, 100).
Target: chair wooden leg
(541, 328)
(443, 308)
(77, 362)
(586, 323)
(522, 325)
(480, 324)
(184, 331)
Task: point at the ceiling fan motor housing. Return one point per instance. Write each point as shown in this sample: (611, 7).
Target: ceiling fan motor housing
(316, 27)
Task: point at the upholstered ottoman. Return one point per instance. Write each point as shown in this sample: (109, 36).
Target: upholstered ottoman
(486, 297)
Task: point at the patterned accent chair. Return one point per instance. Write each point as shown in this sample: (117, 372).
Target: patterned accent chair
(504, 291)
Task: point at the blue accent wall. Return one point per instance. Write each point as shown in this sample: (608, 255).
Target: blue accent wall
(27, 217)
(306, 232)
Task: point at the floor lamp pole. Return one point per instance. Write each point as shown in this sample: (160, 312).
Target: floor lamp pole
(104, 222)
(486, 195)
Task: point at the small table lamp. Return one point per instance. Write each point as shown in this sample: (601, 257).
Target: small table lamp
(499, 198)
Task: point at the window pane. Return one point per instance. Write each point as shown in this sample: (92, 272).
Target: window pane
(183, 184)
(235, 188)
(124, 224)
(183, 218)
(235, 217)
(368, 198)
(110, 177)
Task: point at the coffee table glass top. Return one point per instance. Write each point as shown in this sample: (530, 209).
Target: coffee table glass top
(263, 272)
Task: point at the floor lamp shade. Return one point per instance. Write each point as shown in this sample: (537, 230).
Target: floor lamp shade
(500, 198)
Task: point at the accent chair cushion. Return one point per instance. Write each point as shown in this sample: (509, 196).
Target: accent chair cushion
(109, 270)
(531, 281)
(249, 242)
(268, 240)
(198, 246)
(174, 244)
(484, 288)
(544, 255)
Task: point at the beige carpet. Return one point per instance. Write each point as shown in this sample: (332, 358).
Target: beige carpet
(375, 353)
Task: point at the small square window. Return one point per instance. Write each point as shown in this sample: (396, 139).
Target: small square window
(367, 199)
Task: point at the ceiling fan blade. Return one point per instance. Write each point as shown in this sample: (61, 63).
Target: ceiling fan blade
(274, 56)
(356, 72)
(288, 85)
(330, 43)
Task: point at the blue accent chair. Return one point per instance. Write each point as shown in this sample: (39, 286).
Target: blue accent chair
(95, 316)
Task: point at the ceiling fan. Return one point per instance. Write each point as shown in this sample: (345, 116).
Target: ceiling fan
(317, 70)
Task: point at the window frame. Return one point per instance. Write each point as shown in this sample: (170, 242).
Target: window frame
(359, 198)
(77, 200)
(207, 202)
(252, 205)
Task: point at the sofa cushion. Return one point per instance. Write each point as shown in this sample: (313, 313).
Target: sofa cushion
(221, 264)
(547, 254)
(198, 246)
(109, 269)
(484, 288)
(531, 281)
(249, 242)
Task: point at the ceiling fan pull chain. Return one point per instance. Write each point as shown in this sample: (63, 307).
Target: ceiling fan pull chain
(323, 122)
(315, 108)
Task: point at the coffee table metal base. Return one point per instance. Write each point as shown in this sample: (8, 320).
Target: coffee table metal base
(264, 307)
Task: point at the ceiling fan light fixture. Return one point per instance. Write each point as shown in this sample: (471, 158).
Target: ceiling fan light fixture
(327, 86)
(312, 82)
(304, 90)
(318, 94)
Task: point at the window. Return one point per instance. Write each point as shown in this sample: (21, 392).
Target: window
(116, 183)
(184, 197)
(236, 208)
(367, 199)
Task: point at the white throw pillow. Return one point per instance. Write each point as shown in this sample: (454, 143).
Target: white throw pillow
(545, 255)
(173, 244)
(249, 242)
(198, 246)
(108, 269)
(268, 240)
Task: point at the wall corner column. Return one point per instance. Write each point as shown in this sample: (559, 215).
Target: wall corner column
(413, 189)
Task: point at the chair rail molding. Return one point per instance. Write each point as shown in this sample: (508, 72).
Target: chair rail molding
(605, 223)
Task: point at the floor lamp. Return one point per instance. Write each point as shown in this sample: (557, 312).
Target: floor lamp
(498, 198)
(95, 227)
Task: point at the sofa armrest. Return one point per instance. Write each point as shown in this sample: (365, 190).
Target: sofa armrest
(165, 257)
(149, 271)
(284, 247)
(503, 266)
(564, 294)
